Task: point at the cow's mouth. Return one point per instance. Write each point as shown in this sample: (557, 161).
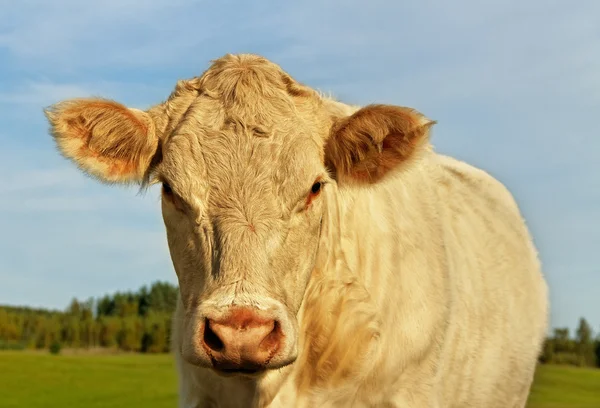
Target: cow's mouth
(229, 368)
(243, 372)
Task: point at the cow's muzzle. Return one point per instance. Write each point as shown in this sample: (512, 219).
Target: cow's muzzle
(241, 342)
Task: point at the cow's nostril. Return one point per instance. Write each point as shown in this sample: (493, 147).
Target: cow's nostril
(211, 339)
(273, 338)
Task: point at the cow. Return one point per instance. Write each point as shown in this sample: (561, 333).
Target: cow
(326, 254)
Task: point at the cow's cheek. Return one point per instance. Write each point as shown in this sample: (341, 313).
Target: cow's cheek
(299, 268)
(187, 257)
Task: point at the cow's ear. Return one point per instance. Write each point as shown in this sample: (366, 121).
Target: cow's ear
(105, 139)
(374, 140)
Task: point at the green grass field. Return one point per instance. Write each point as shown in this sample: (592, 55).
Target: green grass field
(36, 380)
(565, 387)
(109, 381)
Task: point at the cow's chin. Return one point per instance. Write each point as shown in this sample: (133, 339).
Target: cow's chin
(202, 360)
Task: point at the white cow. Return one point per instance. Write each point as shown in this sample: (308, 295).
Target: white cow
(326, 255)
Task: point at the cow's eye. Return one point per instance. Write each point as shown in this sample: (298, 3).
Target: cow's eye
(172, 197)
(316, 188)
(167, 189)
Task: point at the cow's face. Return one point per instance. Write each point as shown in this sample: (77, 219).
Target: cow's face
(242, 154)
(243, 180)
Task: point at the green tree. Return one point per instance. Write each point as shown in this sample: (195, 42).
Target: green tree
(547, 354)
(74, 308)
(597, 351)
(109, 331)
(129, 320)
(143, 301)
(584, 344)
(154, 339)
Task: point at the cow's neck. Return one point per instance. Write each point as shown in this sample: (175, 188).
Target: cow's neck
(336, 320)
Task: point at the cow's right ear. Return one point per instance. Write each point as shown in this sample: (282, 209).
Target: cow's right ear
(369, 144)
(105, 139)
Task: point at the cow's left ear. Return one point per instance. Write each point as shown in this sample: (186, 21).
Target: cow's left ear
(374, 140)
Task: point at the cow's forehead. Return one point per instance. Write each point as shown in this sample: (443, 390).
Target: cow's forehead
(228, 158)
(246, 133)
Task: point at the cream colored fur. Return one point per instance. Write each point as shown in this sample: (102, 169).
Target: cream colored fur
(421, 288)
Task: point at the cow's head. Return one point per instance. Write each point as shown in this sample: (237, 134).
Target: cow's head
(245, 156)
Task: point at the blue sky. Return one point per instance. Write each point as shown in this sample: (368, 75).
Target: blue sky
(514, 86)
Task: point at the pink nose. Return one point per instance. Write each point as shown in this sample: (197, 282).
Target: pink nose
(241, 342)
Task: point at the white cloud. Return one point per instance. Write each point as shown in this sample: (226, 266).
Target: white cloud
(40, 94)
(67, 190)
(33, 179)
(72, 34)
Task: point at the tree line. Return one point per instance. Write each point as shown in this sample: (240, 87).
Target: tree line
(130, 321)
(582, 350)
(140, 321)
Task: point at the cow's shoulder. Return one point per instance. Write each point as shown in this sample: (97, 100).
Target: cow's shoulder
(458, 181)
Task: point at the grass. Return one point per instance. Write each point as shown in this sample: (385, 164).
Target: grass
(37, 380)
(565, 387)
